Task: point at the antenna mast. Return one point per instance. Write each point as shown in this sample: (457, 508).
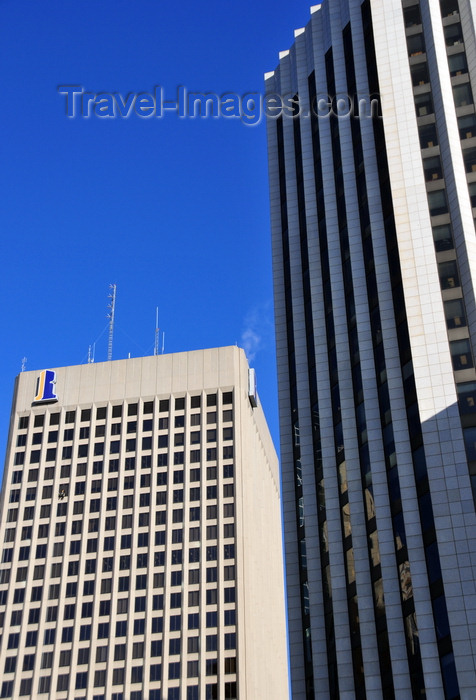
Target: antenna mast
(91, 352)
(23, 364)
(156, 343)
(112, 308)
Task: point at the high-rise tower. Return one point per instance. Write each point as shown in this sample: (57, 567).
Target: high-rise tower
(141, 534)
(373, 179)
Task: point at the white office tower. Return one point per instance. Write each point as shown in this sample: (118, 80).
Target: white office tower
(372, 187)
(141, 534)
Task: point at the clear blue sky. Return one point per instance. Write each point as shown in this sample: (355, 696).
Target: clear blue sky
(174, 211)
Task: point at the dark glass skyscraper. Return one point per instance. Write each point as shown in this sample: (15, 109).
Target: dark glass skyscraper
(373, 180)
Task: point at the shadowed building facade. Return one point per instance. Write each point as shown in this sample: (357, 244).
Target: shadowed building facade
(374, 255)
(141, 534)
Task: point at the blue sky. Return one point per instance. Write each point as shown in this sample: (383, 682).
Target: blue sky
(173, 211)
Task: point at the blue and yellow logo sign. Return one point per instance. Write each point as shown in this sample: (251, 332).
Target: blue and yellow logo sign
(45, 387)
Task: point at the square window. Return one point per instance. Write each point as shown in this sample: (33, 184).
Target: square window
(175, 623)
(177, 515)
(228, 510)
(103, 630)
(118, 676)
(193, 645)
(62, 682)
(194, 576)
(212, 574)
(121, 628)
(195, 493)
(101, 654)
(229, 573)
(211, 512)
(83, 656)
(193, 620)
(229, 551)
(44, 684)
(49, 636)
(99, 679)
(211, 399)
(156, 647)
(230, 594)
(174, 646)
(39, 421)
(136, 674)
(51, 613)
(230, 618)
(47, 659)
(25, 686)
(7, 689)
(69, 611)
(230, 640)
(212, 553)
(119, 652)
(174, 670)
(211, 667)
(88, 587)
(155, 672)
(28, 662)
(85, 633)
(194, 532)
(23, 422)
(230, 688)
(65, 657)
(140, 604)
(175, 600)
(212, 596)
(139, 626)
(176, 578)
(193, 598)
(212, 532)
(211, 618)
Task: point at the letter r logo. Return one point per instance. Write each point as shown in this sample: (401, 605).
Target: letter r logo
(45, 386)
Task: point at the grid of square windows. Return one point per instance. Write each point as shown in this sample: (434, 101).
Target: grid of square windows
(78, 494)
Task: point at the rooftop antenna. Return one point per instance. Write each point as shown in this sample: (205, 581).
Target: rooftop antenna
(23, 364)
(156, 342)
(112, 308)
(163, 342)
(91, 352)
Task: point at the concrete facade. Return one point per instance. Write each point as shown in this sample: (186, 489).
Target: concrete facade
(141, 534)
